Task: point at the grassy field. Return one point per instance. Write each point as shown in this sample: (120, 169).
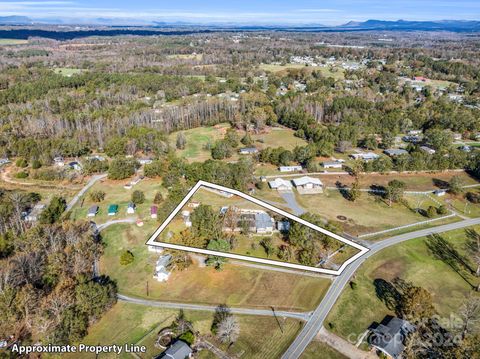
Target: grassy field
(411, 261)
(131, 323)
(5, 42)
(198, 138)
(67, 71)
(116, 194)
(336, 72)
(317, 349)
(235, 285)
(367, 214)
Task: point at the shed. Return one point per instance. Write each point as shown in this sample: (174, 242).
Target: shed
(92, 211)
(248, 151)
(131, 208)
(290, 168)
(112, 209)
(154, 211)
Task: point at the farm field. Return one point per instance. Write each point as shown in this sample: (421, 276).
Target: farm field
(67, 71)
(317, 349)
(6, 42)
(132, 323)
(412, 261)
(367, 214)
(235, 285)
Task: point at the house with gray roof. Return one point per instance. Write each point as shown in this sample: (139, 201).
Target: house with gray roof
(263, 222)
(390, 335)
(178, 350)
(393, 152)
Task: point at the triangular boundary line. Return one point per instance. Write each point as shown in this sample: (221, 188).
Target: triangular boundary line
(151, 241)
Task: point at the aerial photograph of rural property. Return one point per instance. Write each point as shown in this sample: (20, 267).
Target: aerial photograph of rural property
(240, 180)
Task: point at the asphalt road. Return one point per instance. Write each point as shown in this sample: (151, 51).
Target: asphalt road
(80, 193)
(211, 308)
(315, 323)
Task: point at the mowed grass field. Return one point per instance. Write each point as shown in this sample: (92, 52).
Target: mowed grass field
(260, 337)
(235, 285)
(335, 72)
(6, 42)
(367, 214)
(67, 71)
(317, 349)
(198, 138)
(412, 261)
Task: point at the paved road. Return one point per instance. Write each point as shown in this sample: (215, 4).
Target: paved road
(315, 323)
(211, 308)
(289, 197)
(85, 188)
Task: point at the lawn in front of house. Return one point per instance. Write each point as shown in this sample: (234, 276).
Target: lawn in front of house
(136, 324)
(317, 349)
(412, 261)
(235, 285)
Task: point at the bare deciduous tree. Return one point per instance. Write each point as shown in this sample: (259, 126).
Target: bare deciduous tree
(228, 330)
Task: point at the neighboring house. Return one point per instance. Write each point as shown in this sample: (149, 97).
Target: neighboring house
(131, 208)
(457, 136)
(280, 184)
(34, 214)
(194, 204)
(263, 178)
(466, 148)
(96, 157)
(92, 211)
(414, 132)
(248, 151)
(178, 350)
(155, 249)
(307, 185)
(186, 218)
(112, 209)
(368, 156)
(390, 335)
(332, 164)
(393, 152)
(58, 161)
(161, 272)
(154, 212)
(75, 166)
(412, 139)
(290, 168)
(428, 150)
(145, 160)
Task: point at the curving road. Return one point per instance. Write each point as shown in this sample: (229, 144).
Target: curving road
(315, 323)
(211, 308)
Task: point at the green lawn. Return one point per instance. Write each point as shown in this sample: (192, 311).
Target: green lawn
(131, 323)
(67, 71)
(317, 349)
(5, 42)
(335, 72)
(411, 261)
(235, 285)
(367, 214)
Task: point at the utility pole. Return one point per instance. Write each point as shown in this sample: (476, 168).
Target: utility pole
(276, 318)
(148, 294)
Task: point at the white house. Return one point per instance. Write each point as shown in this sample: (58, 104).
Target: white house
(332, 164)
(4, 161)
(308, 185)
(145, 160)
(34, 214)
(280, 184)
(248, 151)
(155, 249)
(58, 161)
(368, 156)
(161, 272)
(290, 168)
(428, 150)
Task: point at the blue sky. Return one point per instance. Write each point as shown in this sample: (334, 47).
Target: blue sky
(247, 11)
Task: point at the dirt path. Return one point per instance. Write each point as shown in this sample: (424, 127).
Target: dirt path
(342, 346)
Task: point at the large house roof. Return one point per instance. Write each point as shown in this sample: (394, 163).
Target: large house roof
(178, 350)
(280, 182)
(302, 181)
(390, 336)
(263, 220)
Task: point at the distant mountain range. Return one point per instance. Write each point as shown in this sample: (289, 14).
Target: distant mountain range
(369, 25)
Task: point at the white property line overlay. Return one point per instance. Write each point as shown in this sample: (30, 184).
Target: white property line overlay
(199, 184)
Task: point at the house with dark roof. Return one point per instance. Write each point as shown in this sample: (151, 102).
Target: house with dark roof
(389, 336)
(178, 350)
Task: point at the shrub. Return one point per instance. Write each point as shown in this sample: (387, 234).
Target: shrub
(188, 337)
(442, 210)
(353, 285)
(138, 197)
(473, 197)
(94, 165)
(97, 196)
(158, 198)
(47, 175)
(122, 168)
(36, 164)
(23, 174)
(431, 212)
(126, 258)
(21, 162)
(53, 212)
